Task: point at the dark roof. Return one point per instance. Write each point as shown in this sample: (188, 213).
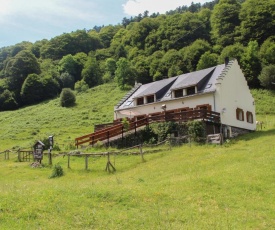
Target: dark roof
(153, 87)
(190, 79)
(205, 81)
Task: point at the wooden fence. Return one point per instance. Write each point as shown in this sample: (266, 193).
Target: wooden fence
(118, 129)
(109, 166)
(6, 154)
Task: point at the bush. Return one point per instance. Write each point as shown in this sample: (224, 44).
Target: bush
(57, 171)
(67, 98)
(196, 130)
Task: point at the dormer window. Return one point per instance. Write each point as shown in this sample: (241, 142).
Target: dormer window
(150, 99)
(179, 93)
(140, 101)
(190, 90)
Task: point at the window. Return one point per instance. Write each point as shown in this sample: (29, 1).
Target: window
(140, 101)
(179, 93)
(239, 114)
(191, 90)
(150, 99)
(249, 117)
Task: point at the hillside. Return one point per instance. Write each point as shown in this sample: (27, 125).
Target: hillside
(22, 127)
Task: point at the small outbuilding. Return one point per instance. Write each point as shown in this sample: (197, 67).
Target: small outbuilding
(38, 151)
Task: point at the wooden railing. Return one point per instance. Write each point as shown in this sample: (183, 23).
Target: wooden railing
(107, 133)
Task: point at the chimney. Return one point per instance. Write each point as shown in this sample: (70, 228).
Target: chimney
(226, 61)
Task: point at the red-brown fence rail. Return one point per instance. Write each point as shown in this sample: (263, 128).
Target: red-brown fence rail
(108, 132)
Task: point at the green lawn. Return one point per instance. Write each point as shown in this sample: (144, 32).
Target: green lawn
(198, 187)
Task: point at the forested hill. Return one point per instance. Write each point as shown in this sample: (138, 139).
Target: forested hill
(143, 49)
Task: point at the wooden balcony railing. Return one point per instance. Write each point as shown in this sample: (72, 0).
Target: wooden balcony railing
(117, 129)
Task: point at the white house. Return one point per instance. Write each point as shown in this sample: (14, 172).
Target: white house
(222, 88)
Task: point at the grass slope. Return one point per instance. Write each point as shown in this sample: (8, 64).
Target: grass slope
(23, 127)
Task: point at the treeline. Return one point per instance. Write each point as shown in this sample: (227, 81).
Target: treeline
(144, 48)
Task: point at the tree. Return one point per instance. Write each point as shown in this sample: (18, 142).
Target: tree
(37, 88)
(32, 88)
(207, 60)
(67, 64)
(110, 68)
(67, 98)
(224, 20)
(267, 51)
(51, 87)
(192, 53)
(19, 67)
(7, 101)
(107, 33)
(84, 41)
(67, 80)
(124, 74)
(80, 60)
(233, 51)
(141, 65)
(257, 20)
(251, 65)
(267, 77)
(91, 73)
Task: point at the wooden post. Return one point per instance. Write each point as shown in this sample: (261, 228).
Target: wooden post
(68, 161)
(50, 156)
(86, 162)
(109, 164)
(19, 155)
(141, 153)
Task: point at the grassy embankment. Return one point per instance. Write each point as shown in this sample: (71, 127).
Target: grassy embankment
(198, 187)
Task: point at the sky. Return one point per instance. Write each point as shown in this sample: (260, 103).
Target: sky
(34, 20)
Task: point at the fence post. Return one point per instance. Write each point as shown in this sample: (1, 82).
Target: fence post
(19, 155)
(68, 161)
(141, 153)
(86, 162)
(50, 156)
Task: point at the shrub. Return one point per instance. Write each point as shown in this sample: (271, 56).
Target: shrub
(196, 130)
(67, 97)
(57, 171)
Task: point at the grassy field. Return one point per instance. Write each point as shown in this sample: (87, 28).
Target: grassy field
(198, 187)
(23, 127)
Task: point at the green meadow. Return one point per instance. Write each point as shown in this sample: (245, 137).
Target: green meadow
(188, 187)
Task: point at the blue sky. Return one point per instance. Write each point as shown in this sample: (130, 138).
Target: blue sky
(33, 20)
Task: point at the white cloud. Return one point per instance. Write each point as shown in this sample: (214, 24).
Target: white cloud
(49, 10)
(135, 7)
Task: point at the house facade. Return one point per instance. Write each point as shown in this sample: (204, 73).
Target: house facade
(222, 88)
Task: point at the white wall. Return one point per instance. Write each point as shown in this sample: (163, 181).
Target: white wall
(232, 93)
